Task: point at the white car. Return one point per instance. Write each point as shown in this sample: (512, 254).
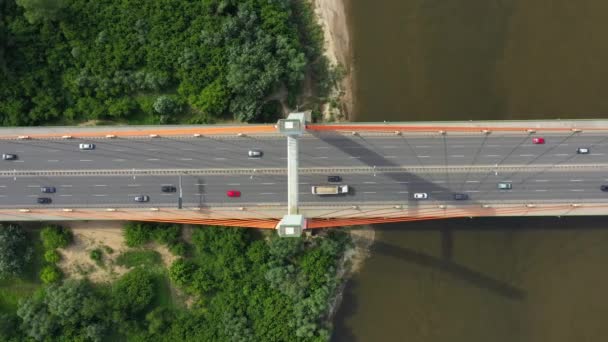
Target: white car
(421, 195)
(255, 154)
(86, 146)
(582, 150)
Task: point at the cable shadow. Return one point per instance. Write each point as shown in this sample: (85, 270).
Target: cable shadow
(411, 182)
(450, 268)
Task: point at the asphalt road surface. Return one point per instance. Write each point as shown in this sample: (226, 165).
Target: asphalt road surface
(324, 150)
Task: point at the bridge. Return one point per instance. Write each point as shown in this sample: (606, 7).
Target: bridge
(384, 164)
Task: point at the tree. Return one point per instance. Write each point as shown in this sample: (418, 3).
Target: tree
(54, 236)
(72, 302)
(165, 105)
(50, 274)
(37, 322)
(14, 250)
(40, 10)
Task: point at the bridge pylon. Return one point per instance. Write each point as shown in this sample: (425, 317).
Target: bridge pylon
(293, 127)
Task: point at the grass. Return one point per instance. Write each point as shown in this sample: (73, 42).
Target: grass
(139, 258)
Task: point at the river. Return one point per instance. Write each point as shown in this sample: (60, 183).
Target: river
(490, 279)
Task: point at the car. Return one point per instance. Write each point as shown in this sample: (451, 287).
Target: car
(9, 156)
(142, 198)
(44, 200)
(255, 153)
(461, 197)
(86, 146)
(505, 186)
(334, 179)
(604, 187)
(582, 150)
(233, 193)
(168, 188)
(538, 141)
(421, 195)
(48, 189)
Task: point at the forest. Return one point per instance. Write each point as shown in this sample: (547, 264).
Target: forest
(238, 285)
(155, 62)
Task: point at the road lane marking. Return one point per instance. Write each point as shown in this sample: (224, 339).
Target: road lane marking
(100, 195)
(424, 156)
(439, 182)
(540, 190)
(100, 185)
(369, 183)
(597, 154)
(577, 190)
(354, 157)
(457, 156)
(52, 160)
(32, 195)
(64, 195)
(66, 186)
(492, 155)
(561, 154)
(402, 182)
(213, 158)
(436, 192)
(470, 181)
(133, 185)
(234, 184)
(389, 146)
(576, 180)
(153, 149)
(422, 146)
(33, 186)
(303, 183)
(85, 160)
(2, 186)
(541, 180)
(390, 157)
(527, 155)
(267, 193)
(268, 183)
(185, 158)
(17, 161)
(471, 190)
(492, 145)
(201, 183)
(152, 159)
(188, 149)
(118, 160)
(167, 194)
(369, 192)
(457, 146)
(322, 147)
(323, 157)
(132, 195)
(403, 192)
(2, 195)
(46, 150)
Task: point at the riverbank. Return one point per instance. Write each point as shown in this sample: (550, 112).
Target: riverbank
(334, 18)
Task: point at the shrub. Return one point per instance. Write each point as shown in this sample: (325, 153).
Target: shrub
(55, 237)
(136, 234)
(108, 249)
(14, 250)
(133, 292)
(52, 256)
(97, 256)
(50, 274)
(167, 234)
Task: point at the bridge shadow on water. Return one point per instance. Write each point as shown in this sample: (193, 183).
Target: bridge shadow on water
(364, 150)
(445, 264)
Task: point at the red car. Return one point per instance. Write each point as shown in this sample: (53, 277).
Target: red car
(538, 140)
(233, 193)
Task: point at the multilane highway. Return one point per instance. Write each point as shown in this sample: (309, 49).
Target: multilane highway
(442, 165)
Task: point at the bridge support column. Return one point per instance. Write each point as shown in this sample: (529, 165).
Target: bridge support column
(293, 223)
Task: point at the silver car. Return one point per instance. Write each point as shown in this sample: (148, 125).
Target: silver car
(255, 154)
(142, 198)
(505, 186)
(421, 195)
(86, 146)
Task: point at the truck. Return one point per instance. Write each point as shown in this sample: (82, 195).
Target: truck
(329, 189)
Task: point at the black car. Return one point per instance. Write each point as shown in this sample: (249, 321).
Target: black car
(168, 188)
(334, 179)
(604, 187)
(461, 197)
(44, 200)
(48, 189)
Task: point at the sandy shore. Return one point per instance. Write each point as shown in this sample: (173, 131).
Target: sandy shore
(334, 17)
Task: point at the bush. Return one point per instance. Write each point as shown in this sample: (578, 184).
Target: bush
(97, 256)
(133, 292)
(167, 234)
(52, 256)
(14, 250)
(53, 237)
(137, 234)
(108, 249)
(50, 274)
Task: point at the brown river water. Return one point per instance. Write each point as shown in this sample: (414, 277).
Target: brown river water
(491, 279)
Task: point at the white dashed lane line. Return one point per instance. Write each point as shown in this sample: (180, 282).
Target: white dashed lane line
(86, 160)
(152, 159)
(118, 160)
(100, 195)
